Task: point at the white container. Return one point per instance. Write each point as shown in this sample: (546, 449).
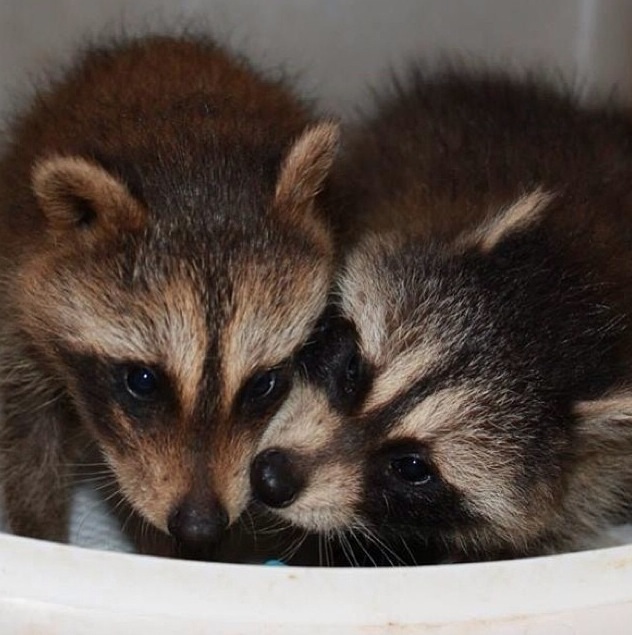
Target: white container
(66, 590)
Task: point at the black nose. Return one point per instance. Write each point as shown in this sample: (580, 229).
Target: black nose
(275, 478)
(194, 523)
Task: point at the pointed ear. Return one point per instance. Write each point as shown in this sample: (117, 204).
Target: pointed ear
(307, 164)
(77, 195)
(518, 217)
(302, 176)
(606, 421)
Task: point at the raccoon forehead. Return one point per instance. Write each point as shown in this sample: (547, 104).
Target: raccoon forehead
(275, 305)
(401, 370)
(407, 304)
(162, 325)
(447, 411)
(366, 296)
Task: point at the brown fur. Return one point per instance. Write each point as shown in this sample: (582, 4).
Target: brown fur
(157, 209)
(490, 309)
(58, 182)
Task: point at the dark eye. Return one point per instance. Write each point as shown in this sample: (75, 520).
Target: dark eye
(263, 384)
(141, 382)
(411, 468)
(352, 372)
(265, 388)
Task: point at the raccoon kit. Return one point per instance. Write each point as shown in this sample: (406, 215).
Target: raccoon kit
(470, 390)
(163, 256)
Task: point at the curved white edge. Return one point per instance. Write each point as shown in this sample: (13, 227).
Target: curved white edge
(36, 573)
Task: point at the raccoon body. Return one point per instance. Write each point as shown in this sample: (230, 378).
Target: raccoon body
(469, 388)
(163, 256)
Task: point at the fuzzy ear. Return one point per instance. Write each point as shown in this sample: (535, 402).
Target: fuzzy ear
(75, 194)
(607, 420)
(518, 217)
(307, 164)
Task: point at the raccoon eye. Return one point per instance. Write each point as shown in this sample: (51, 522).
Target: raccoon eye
(263, 384)
(352, 372)
(141, 382)
(265, 389)
(412, 468)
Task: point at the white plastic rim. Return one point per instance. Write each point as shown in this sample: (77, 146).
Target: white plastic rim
(54, 589)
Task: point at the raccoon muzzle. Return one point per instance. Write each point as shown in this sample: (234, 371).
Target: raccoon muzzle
(196, 526)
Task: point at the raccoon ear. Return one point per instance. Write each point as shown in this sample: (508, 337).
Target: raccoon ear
(306, 167)
(515, 218)
(606, 421)
(75, 194)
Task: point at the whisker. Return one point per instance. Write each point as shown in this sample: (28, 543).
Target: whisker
(320, 550)
(247, 515)
(144, 529)
(385, 549)
(408, 551)
(287, 554)
(125, 523)
(348, 549)
(273, 528)
(110, 496)
(326, 548)
(91, 479)
(392, 557)
(360, 543)
(253, 529)
(82, 464)
(87, 512)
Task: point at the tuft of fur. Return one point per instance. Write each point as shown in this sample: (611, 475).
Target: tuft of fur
(158, 210)
(470, 389)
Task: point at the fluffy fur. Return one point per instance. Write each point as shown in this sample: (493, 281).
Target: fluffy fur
(471, 388)
(163, 257)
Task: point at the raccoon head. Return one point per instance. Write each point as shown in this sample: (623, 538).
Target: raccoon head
(172, 328)
(449, 399)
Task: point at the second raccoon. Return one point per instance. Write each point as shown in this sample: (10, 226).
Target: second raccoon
(471, 386)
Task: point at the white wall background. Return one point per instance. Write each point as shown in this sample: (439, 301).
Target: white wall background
(337, 46)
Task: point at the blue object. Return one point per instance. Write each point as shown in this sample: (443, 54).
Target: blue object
(274, 563)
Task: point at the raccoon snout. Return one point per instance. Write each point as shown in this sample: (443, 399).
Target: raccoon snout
(275, 478)
(192, 523)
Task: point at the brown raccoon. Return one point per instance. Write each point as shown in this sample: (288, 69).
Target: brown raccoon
(470, 388)
(164, 255)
